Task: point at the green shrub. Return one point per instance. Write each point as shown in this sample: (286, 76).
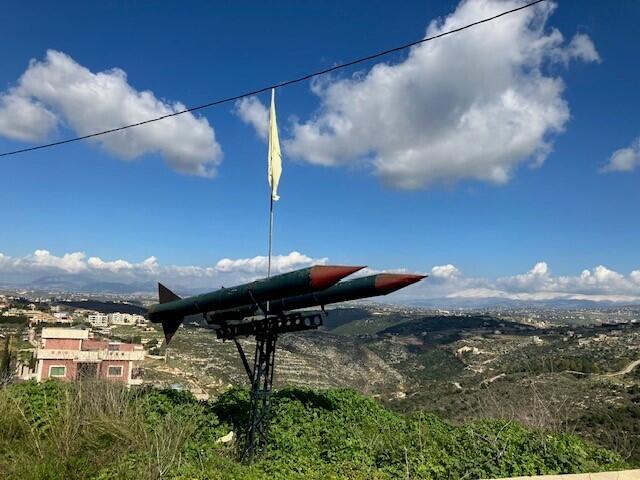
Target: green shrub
(103, 431)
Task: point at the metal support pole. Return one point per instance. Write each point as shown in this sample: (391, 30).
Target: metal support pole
(262, 381)
(270, 234)
(266, 333)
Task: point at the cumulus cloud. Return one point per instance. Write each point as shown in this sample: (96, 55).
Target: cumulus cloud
(581, 47)
(624, 159)
(226, 271)
(279, 263)
(598, 284)
(472, 106)
(69, 262)
(445, 271)
(44, 262)
(367, 271)
(6, 262)
(119, 266)
(252, 111)
(535, 278)
(445, 281)
(58, 91)
(24, 119)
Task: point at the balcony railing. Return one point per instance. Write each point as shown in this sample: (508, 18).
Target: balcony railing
(88, 355)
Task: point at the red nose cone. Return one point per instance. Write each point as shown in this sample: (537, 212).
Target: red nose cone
(390, 282)
(323, 276)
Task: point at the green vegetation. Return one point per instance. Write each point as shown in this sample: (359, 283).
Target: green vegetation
(107, 307)
(103, 431)
(359, 321)
(440, 323)
(368, 326)
(336, 317)
(439, 364)
(616, 427)
(545, 361)
(5, 358)
(14, 319)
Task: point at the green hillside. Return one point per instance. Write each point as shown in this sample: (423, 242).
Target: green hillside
(101, 431)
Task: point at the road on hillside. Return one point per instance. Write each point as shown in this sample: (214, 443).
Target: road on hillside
(625, 370)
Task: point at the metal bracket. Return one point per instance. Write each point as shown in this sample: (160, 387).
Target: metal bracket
(295, 322)
(266, 332)
(243, 357)
(257, 304)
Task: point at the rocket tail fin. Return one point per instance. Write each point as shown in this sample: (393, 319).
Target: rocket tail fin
(170, 327)
(165, 295)
(171, 324)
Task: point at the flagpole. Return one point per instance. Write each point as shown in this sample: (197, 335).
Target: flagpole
(270, 236)
(270, 233)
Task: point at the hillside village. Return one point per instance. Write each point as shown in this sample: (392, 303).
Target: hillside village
(538, 366)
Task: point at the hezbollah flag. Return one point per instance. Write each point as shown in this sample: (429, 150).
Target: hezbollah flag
(275, 158)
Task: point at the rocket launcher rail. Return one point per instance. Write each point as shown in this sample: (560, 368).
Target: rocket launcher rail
(371, 286)
(172, 309)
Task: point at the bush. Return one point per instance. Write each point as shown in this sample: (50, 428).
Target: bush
(104, 431)
(14, 319)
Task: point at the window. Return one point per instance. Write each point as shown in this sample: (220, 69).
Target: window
(57, 371)
(114, 372)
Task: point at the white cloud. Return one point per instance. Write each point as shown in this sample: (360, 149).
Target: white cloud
(69, 262)
(367, 271)
(6, 262)
(148, 266)
(581, 47)
(279, 263)
(445, 271)
(59, 91)
(603, 278)
(252, 111)
(598, 284)
(445, 281)
(224, 272)
(24, 119)
(483, 293)
(536, 278)
(474, 105)
(624, 159)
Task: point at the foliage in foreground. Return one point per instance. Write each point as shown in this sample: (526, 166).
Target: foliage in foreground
(102, 431)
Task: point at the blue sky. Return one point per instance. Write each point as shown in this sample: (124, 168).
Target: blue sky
(82, 198)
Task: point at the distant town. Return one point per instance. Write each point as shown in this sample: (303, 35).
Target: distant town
(51, 339)
(73, 336)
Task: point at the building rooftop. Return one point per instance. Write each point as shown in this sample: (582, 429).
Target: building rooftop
(49, 332)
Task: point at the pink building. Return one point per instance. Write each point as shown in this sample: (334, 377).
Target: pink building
(69, 354)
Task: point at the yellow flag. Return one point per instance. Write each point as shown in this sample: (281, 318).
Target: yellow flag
(275, 158)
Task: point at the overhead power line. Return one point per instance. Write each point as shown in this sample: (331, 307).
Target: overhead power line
(277, 85)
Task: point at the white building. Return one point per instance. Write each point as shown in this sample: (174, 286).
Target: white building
(98, 320)
(125, 319)
(117, 318)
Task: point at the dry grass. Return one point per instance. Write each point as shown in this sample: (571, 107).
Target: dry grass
(90, 422)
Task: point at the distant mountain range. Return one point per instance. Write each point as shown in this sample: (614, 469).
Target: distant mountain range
(88, 285)
(497, 302)
(78, 284)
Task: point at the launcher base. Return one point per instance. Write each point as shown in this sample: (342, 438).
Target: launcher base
(266, 332)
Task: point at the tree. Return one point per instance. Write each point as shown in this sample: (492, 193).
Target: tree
(5, 359)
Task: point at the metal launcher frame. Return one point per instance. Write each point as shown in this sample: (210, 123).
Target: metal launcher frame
(266, 331)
